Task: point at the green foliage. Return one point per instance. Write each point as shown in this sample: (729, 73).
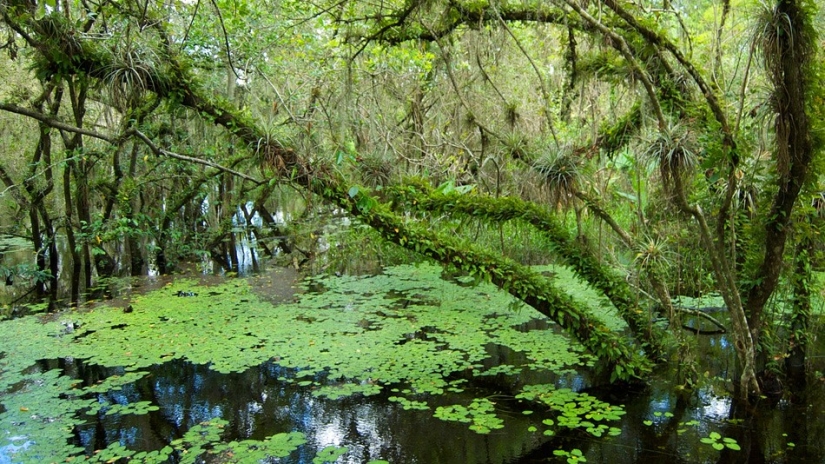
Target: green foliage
(675, 153)
(11, 244)
(572, 456)
(597, 302)
(612, 137)
(38, 420)
(480, 414)
(719, 443)
(562, 176)
(204, 440)
(330, 454)
(574, 410)
(409, 404)
(419, 196)
(406, 327)
(141, 407)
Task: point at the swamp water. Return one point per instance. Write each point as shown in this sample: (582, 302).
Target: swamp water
(402, 367)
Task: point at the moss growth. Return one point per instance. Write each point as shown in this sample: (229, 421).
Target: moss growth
(612, 137)
(516, 279)
(575, 254)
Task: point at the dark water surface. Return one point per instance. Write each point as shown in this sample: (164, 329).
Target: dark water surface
(256, 404)
(660, 425)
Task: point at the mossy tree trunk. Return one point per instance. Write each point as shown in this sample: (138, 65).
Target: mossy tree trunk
(43, 230)
(572, 251)
(801, 310)
(788, 48)
(521, 282)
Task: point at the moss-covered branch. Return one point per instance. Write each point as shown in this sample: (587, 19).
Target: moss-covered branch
(63, 53)
(520, 281)
(573, 252)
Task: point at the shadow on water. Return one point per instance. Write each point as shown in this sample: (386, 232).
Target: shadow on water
(257, 403)
(661, 425)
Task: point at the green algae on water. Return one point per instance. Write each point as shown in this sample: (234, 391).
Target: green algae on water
(406, 329)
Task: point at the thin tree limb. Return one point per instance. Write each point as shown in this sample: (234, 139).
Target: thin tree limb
(52, 122)
(542, 85)
(161, 152)
(624, 49)
(657, 40)
(225, 39)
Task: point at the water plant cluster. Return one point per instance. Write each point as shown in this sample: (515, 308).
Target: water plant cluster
(407, 333)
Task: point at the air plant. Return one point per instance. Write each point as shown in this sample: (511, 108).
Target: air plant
(132, 72)
(652, 254)
(515, 144)
(561, 176)
(675, 153)
(778, 39)
(375, 170)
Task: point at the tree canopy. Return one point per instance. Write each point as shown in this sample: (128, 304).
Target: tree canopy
(676, 143)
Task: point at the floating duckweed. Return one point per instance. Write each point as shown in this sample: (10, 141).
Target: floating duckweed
(408, 404)
(480, 414)
(407, 327)
(334, 392)
(329, 454)
(575, 410)
(719, 443)
(38, 422)
(114, 453)
(116, 382)
(141, 407)
(205, 439)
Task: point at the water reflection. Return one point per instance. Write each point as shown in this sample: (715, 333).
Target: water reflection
(660, 425)
(257, 405)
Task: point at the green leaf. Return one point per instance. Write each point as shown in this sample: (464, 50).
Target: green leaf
(329, 454)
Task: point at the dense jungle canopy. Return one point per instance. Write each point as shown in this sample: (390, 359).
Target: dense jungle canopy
(657, 148)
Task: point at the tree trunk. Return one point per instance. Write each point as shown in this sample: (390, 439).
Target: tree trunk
(519, 281)
(573, 252)
(801, 311)
(787, 61)
(71, 242)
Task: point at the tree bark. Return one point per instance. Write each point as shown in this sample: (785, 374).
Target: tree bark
(787, 63)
